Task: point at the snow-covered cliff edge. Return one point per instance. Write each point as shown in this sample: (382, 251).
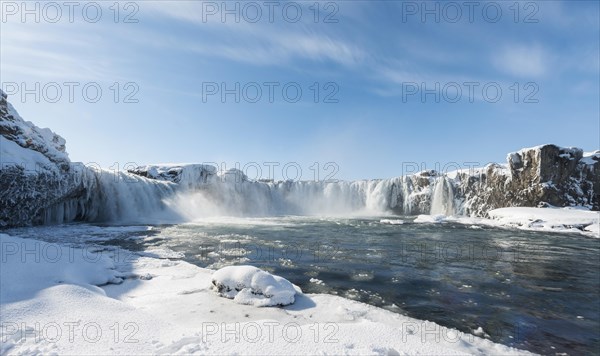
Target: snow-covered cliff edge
(35, 170)
(40, 185)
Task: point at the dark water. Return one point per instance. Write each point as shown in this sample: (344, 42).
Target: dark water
(532, 290)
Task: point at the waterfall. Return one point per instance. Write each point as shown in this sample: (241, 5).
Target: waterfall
(193, 192)
(442, 199)
(104, 196)
(129, 198)
(247, 198)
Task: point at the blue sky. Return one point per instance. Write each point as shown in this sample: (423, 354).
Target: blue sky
(377, 57)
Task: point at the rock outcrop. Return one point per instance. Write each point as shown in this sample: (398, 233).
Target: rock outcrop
(538, 176)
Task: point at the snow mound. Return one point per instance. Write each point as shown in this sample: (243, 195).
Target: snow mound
(252, 286)
(29, 266)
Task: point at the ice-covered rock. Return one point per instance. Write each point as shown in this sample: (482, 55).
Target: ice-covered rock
(189, 176)
(253, 286)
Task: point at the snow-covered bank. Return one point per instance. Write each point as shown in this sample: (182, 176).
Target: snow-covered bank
(551, 219)
(569, 220)
(63, 300)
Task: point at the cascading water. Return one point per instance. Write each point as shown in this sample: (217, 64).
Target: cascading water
(231, 194)
(105, 196)
(187, 193)
(248, 198)
(128, 198)
(442, 199)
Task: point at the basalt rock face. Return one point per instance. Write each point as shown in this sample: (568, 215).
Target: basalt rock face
(539, 176)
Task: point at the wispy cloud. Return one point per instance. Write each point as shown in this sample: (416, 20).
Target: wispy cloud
(522, 60)
(261, 43)
(282, 49)
(58, 52)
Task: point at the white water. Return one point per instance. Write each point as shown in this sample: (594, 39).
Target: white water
(282, 198)
(442, 200)
(120, 197)
(199, 193)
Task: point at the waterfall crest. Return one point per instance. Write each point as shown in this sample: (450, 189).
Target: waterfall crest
(186, 193)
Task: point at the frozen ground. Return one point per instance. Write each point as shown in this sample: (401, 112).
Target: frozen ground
(66, 300)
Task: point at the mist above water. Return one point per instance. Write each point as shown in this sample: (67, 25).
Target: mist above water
(128, 198)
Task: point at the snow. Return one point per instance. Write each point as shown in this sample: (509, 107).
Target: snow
(13, 154)
(590, 158)
(568, 150)
(549, 219)
(253, 286)
(478, 171)
(110, 301)
(566, 220)
(51, 145)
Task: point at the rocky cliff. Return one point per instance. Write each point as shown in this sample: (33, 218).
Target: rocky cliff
(538, 176)
(35, 171)
(39, 185)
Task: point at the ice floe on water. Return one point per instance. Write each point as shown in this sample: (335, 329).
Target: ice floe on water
(316, 281)
(429, 219)
(392, 221)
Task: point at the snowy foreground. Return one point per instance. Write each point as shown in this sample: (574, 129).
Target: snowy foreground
(65, 300)
(565, 220)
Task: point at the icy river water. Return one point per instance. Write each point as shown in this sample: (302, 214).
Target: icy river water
(537, 291)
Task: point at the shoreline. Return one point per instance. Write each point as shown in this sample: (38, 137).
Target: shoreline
(83, 301)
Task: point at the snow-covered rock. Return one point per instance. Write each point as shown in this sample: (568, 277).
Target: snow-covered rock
(29, 137)
(252, 286)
